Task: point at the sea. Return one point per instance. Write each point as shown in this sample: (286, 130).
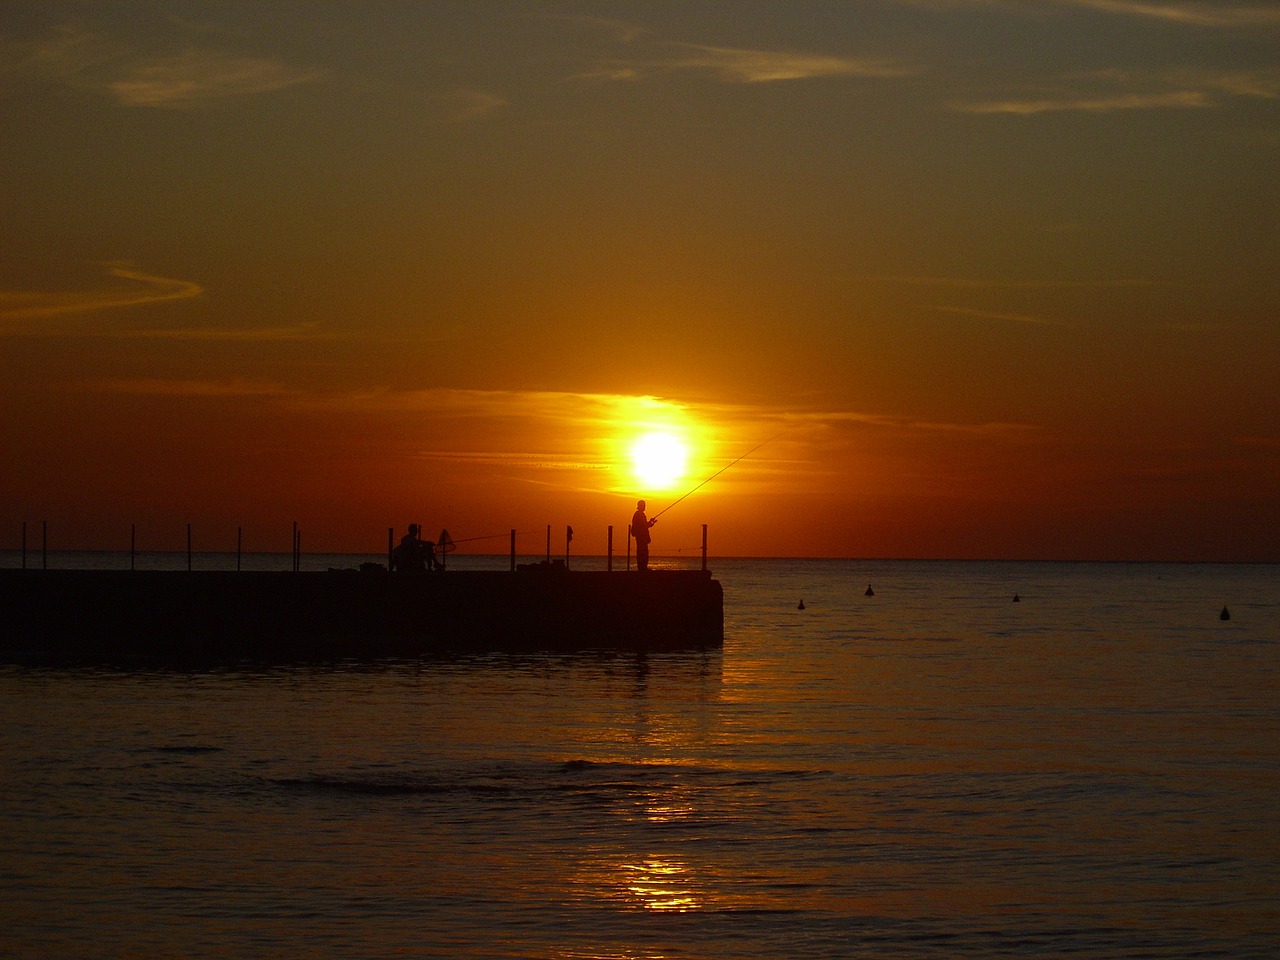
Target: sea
(887, 759)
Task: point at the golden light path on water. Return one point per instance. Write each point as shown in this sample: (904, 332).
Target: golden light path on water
(660, 885)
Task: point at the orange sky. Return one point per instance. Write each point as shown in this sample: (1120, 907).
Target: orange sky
(992, 280)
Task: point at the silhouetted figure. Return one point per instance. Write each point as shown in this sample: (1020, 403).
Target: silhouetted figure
(800, 606)
(1225, 614)
(869, 592)
(640, 525)
(413, 555)
(1016, 598)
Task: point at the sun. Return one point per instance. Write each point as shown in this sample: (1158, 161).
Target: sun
(658, 460)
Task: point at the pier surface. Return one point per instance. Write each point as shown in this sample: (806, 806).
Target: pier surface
(97, 616)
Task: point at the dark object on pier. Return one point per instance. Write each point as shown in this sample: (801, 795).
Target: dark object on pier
(141, 617)
(869, 592)
(1225, 614)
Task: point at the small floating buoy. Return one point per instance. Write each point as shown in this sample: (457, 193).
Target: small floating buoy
(1225, 614)
(870, 592)
(1016, 598)
(800, 606)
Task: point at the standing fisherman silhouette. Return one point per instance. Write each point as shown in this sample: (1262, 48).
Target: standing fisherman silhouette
(640, 525)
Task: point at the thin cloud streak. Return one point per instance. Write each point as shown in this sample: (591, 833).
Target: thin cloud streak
(85, 61)
(741, 66)
(769, 66)
(1215, 16)
(298, 333)
(165, 387)
(1175, 100)
(1189, 14)
(966, 283)
(612, 413)
(458, 105)
(150, 289)
(995, 315)
(1173, 90)
(198, 76)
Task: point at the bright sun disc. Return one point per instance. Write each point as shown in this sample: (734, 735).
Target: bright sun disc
(658, 460)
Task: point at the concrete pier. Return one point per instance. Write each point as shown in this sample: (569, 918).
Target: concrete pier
(139, 617)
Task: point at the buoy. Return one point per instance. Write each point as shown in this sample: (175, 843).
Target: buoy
(1016, 598)
(1225, 614)
(870, 592)
(801, 606)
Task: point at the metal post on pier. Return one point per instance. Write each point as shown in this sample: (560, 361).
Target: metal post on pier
(44, 544)
(133, 546)
(239, 544)
(391, 548)
(609, 562)
(548, 544)
(568, 537)
(188, 548)
(513, 550)
(704, 546)
(24, 544)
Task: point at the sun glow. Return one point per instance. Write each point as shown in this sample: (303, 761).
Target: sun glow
(658, 460)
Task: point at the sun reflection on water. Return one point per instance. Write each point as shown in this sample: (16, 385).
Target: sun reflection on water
(660, 885)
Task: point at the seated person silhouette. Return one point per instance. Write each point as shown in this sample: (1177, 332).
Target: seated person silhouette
(413, 555)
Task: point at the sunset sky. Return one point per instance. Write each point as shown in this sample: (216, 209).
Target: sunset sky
(961, 278)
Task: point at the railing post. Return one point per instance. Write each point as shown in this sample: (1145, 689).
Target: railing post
(609, 562)
(513, 550)
(704, 546)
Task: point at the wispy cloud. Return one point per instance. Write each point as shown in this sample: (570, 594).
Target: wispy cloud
(1108, 91)
(1217, 15)
(137, 78)
(467, 104)
(295, 332)
(1222, 15)
(745, 66)
(140, 289)
(606, 414)
(546, 406)
(166, 387)
(770, 66)
(1172, 100)
(1025, 318)
(200, 76)
(980, 283)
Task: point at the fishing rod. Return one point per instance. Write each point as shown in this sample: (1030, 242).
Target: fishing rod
(716, 474)
(494, 536)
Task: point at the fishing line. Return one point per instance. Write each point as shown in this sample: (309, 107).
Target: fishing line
(717, 473)
(494, 536)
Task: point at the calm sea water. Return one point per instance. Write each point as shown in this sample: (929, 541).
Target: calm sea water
(935, 771)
